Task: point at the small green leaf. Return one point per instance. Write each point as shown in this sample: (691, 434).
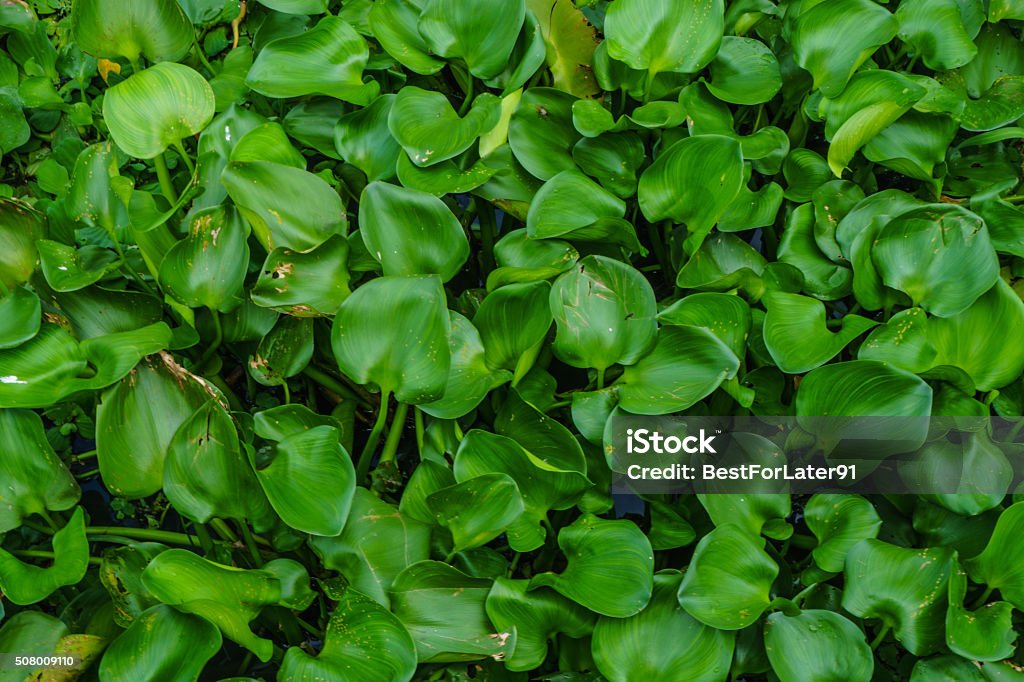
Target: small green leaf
(513, 322)
(999, 565)
(363, 138)
(304, 283)
(745, 71)
(839, 522)
(395, 24)
(25, 584)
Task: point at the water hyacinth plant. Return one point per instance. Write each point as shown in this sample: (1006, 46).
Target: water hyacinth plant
(316, 316)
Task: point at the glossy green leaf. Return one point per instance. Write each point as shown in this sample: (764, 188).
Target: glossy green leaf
(69, 269)
(395, 24)
(405, 353)
(727, 584)
(383, 650)
(158, 31)
(513, 322)
(305, 283)
(839, 522)
(569, 205)
(863, 387)
(693, 182)
(685, 366)
(121, 575)
(604, 313)
(675, 36)
(430, 131)
(541, 133)
(363, 138)
(982, 634)
(29, 630)
(378, 542)
(831, 39)
(936, 29)
(22, 313)
(817, 645)
(156, 398)
(797, 336)
(227, 597)
(411, 232)
(482, 33)
(905, 588)
(20, 227)
(25, 584)
(999, 566)
(163, 644)
(744, 71)
(477, 510)
(156, 108)
(328, 59)
(610, 566)
(444, 611)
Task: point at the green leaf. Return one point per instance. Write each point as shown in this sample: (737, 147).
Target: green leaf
(982, 634)
(570, 205)
(542, 436)
(646, 645)
(745, 71)
(309, 283)
(363, 138)
(208, 267)
(227, 597)
(20, 227)
(411, 232)
(513, 322)
(444, 611)
(328, 59)
(29, 631)
(378, 542)
(297, 6)
(68, 269)
(482, 33)
(687, 364)
(654, 36)
(430, 131)
(156, 108)
(536, 616)
(936, 30)
(905, 588)
(727, 584)
(944, 280)
(543, 486)
(404, 352)
(477, 510)
(287, 207)
(727, 316)
(156, 398)
(999, 565)
(571, 41)
(610, 566)
(975, 465)
(839, 522)
(541, 133)
(693, 182)
(797, 336)
(22, 313)
(723, 262)
(25, 584)
(158, 31)
(48, 368)
(284, 352)
(469, 377)
(817, 645)
(831, 39)
(395, 24)
(121, 575)
(163, 643)
(914, 145)
(604, 312)
(383, 651)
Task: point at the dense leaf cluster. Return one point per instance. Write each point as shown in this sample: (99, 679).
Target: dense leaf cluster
(314, 316)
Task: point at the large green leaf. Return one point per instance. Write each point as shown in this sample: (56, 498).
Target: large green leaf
(35, 480)
(863, 388)
(227, 597)
(905, 588)
(25, 584)
(817, 645)
(411, 232)
(156, 108)
(444, 611)
(363, 138)
(404, 352)
(383, 649)
(162, 644)
(657, 36)
(727, 584)
(328, 59)
(610, 566)
(839, 522)
(687, 364)
(647, 645)
(20, 227)
(572, 206)
(796, 334)
(481, 33)
(477, 510)
(693, 182)
(427, 127)
(513, 322)
(941, 256)
(831, 39)
(745, 71)
(378, 542)
(29, 631)
(304, 283)
(541, 133)
(395, 24)
(136, 420)
(158, 30)
(22, 312)
(936, 29)
(604, 312)
(999, 565)
(981, 634)
(537, 616)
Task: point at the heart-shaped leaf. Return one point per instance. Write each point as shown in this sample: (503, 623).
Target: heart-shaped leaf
(25, 584)
(158, 31)
(797, 335)
(839, 522)
(163, 643)
(999, 566)
(982, 634)
(817, 644)
(482, 34)
(653, 36)
(428, 129)
(478, 509)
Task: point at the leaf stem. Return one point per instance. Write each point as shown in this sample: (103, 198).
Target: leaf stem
(185, 157)
(164, 176)
(40, 554)
(363, 466)
(250, 543)
(394, 434)
(983, 599)
(145, 534)
(600, 378)
(333, 385)
(418, 418)
(488, 230)
(879, 637)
